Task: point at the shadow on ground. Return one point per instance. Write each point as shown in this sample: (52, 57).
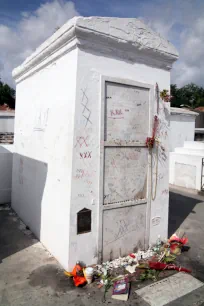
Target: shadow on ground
(180, 206)
(29, 179)
(50, 275)
(186, 212)
(12, 239)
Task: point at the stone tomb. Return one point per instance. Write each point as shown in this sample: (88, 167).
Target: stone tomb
(85, 104)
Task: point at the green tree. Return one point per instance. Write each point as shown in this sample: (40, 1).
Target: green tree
(176, 99)
(7, 95)
(189, 95)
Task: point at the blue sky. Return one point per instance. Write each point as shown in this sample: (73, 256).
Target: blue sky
(118, 8)
(24, 24)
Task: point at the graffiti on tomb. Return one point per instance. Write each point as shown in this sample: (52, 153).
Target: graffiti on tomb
(121, 167)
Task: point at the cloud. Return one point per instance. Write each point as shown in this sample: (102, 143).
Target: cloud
(182, 22)
(16, 43)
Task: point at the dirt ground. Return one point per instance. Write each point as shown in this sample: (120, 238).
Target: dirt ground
(29, 275)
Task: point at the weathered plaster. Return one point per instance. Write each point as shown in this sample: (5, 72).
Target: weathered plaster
(188, 160)
(42, 160)
(122, 34)
(182, 127)
(65, 95)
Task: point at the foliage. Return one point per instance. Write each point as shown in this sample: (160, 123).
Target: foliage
(164, 95)
(169, 259)
(148, 274)
(7, 95)
(190, 95)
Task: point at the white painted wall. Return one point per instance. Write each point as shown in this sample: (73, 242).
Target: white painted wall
(186, 165)
(90, 69)
(7, 122)
(60, 85)
(182, 127)
(6, 161)
(41, 191)
(6, 157)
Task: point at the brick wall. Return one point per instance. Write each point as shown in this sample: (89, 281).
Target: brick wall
(6, 138)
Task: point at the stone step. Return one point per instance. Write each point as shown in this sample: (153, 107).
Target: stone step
(189, 151)
(197, 145)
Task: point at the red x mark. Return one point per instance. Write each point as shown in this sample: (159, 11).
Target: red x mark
(81, 141)
(85, 155)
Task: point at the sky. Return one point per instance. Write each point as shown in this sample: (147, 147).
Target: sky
(25, 24)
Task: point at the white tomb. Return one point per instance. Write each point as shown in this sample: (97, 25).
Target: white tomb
(186, 159)
(85, 106)
(182, 127)
(186, 165)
